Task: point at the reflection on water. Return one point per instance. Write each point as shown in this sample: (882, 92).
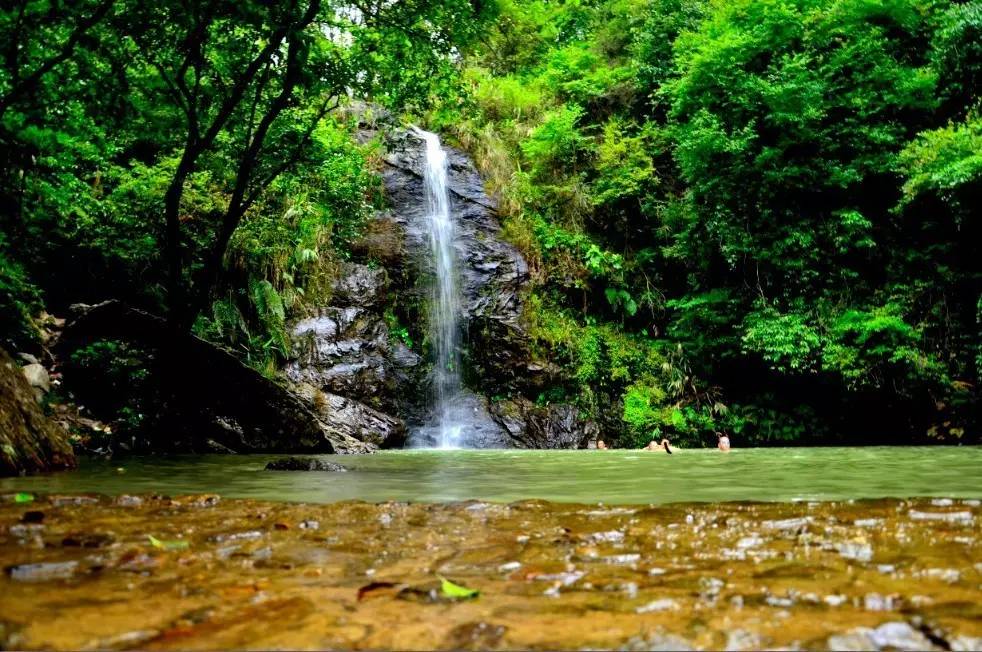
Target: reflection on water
(569, 476)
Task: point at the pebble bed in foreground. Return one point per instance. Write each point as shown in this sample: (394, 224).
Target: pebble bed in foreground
(82, 572)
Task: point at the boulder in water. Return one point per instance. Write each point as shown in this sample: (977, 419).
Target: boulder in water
(351, 419)
(549, 426)
(304, 464)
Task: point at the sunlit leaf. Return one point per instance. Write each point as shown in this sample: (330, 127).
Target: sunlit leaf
(177, 544)
(455, 591)
(22, 497)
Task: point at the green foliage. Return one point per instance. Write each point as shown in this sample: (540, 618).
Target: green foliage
(736, 214)
(115, 378)
(785, 189)
(945, 163)
(786, 341)
(19, 300)
(556, 144)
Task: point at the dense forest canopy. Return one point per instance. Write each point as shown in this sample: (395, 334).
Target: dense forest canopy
(759, 216)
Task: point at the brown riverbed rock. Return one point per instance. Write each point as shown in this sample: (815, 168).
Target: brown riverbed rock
(235, 574)
(29, 441)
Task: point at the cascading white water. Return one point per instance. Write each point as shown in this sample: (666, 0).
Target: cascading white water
(444, 309)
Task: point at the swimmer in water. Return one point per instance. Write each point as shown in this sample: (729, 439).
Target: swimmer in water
(724, 442)
(660, 446)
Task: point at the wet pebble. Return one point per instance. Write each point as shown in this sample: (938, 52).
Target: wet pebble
(788, 523)
(741, 639)
(950, 517)
(26, 530)
(949, 575)
(658, 643)
(663, 604)
(877, 602)
(32, 516)
(42, 572)
(128, 501)
(567, 578)
(249, 535)
(475, 636)
(778, 601)
(88, 540)
(752, 541)
(965, 643)
(124, 640)
(855, 550)
(900, 636)
(310, 525)
(868, 522)
(613, 536)
(60, 501)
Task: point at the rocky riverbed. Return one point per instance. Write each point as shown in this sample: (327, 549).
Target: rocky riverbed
(199, 572)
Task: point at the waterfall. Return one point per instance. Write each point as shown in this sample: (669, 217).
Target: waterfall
(444, 308)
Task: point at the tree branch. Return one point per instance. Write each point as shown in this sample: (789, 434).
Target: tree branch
(82, 26)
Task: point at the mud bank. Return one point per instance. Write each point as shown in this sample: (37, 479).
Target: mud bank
(82, 572)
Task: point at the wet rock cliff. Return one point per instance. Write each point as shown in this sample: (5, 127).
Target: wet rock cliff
(347, 358)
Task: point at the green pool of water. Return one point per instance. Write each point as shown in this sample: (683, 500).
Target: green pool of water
(617, 476)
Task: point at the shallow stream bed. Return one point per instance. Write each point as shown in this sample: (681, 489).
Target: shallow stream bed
(81, 572)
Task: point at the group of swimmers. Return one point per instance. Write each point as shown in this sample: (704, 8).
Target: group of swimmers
(723, 443)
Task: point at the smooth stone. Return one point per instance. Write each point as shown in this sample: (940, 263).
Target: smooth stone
(37, 376)
(304, 464)
(42, 572)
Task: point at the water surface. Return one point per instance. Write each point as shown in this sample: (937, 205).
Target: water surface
(613, 477)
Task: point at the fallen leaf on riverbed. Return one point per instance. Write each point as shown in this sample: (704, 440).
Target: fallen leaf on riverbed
(377, 589)
(168, 545)
(456, 591)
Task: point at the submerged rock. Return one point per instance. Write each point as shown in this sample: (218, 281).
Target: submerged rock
(42, 572)
(304, 464)
(888, 636)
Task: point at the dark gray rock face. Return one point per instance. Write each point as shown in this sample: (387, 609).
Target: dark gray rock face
(552, 426)
(493, 272)
(304, 464)
(342, 350)
(354, 375)
(349, 418)
(359, 285)
(347, 368)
